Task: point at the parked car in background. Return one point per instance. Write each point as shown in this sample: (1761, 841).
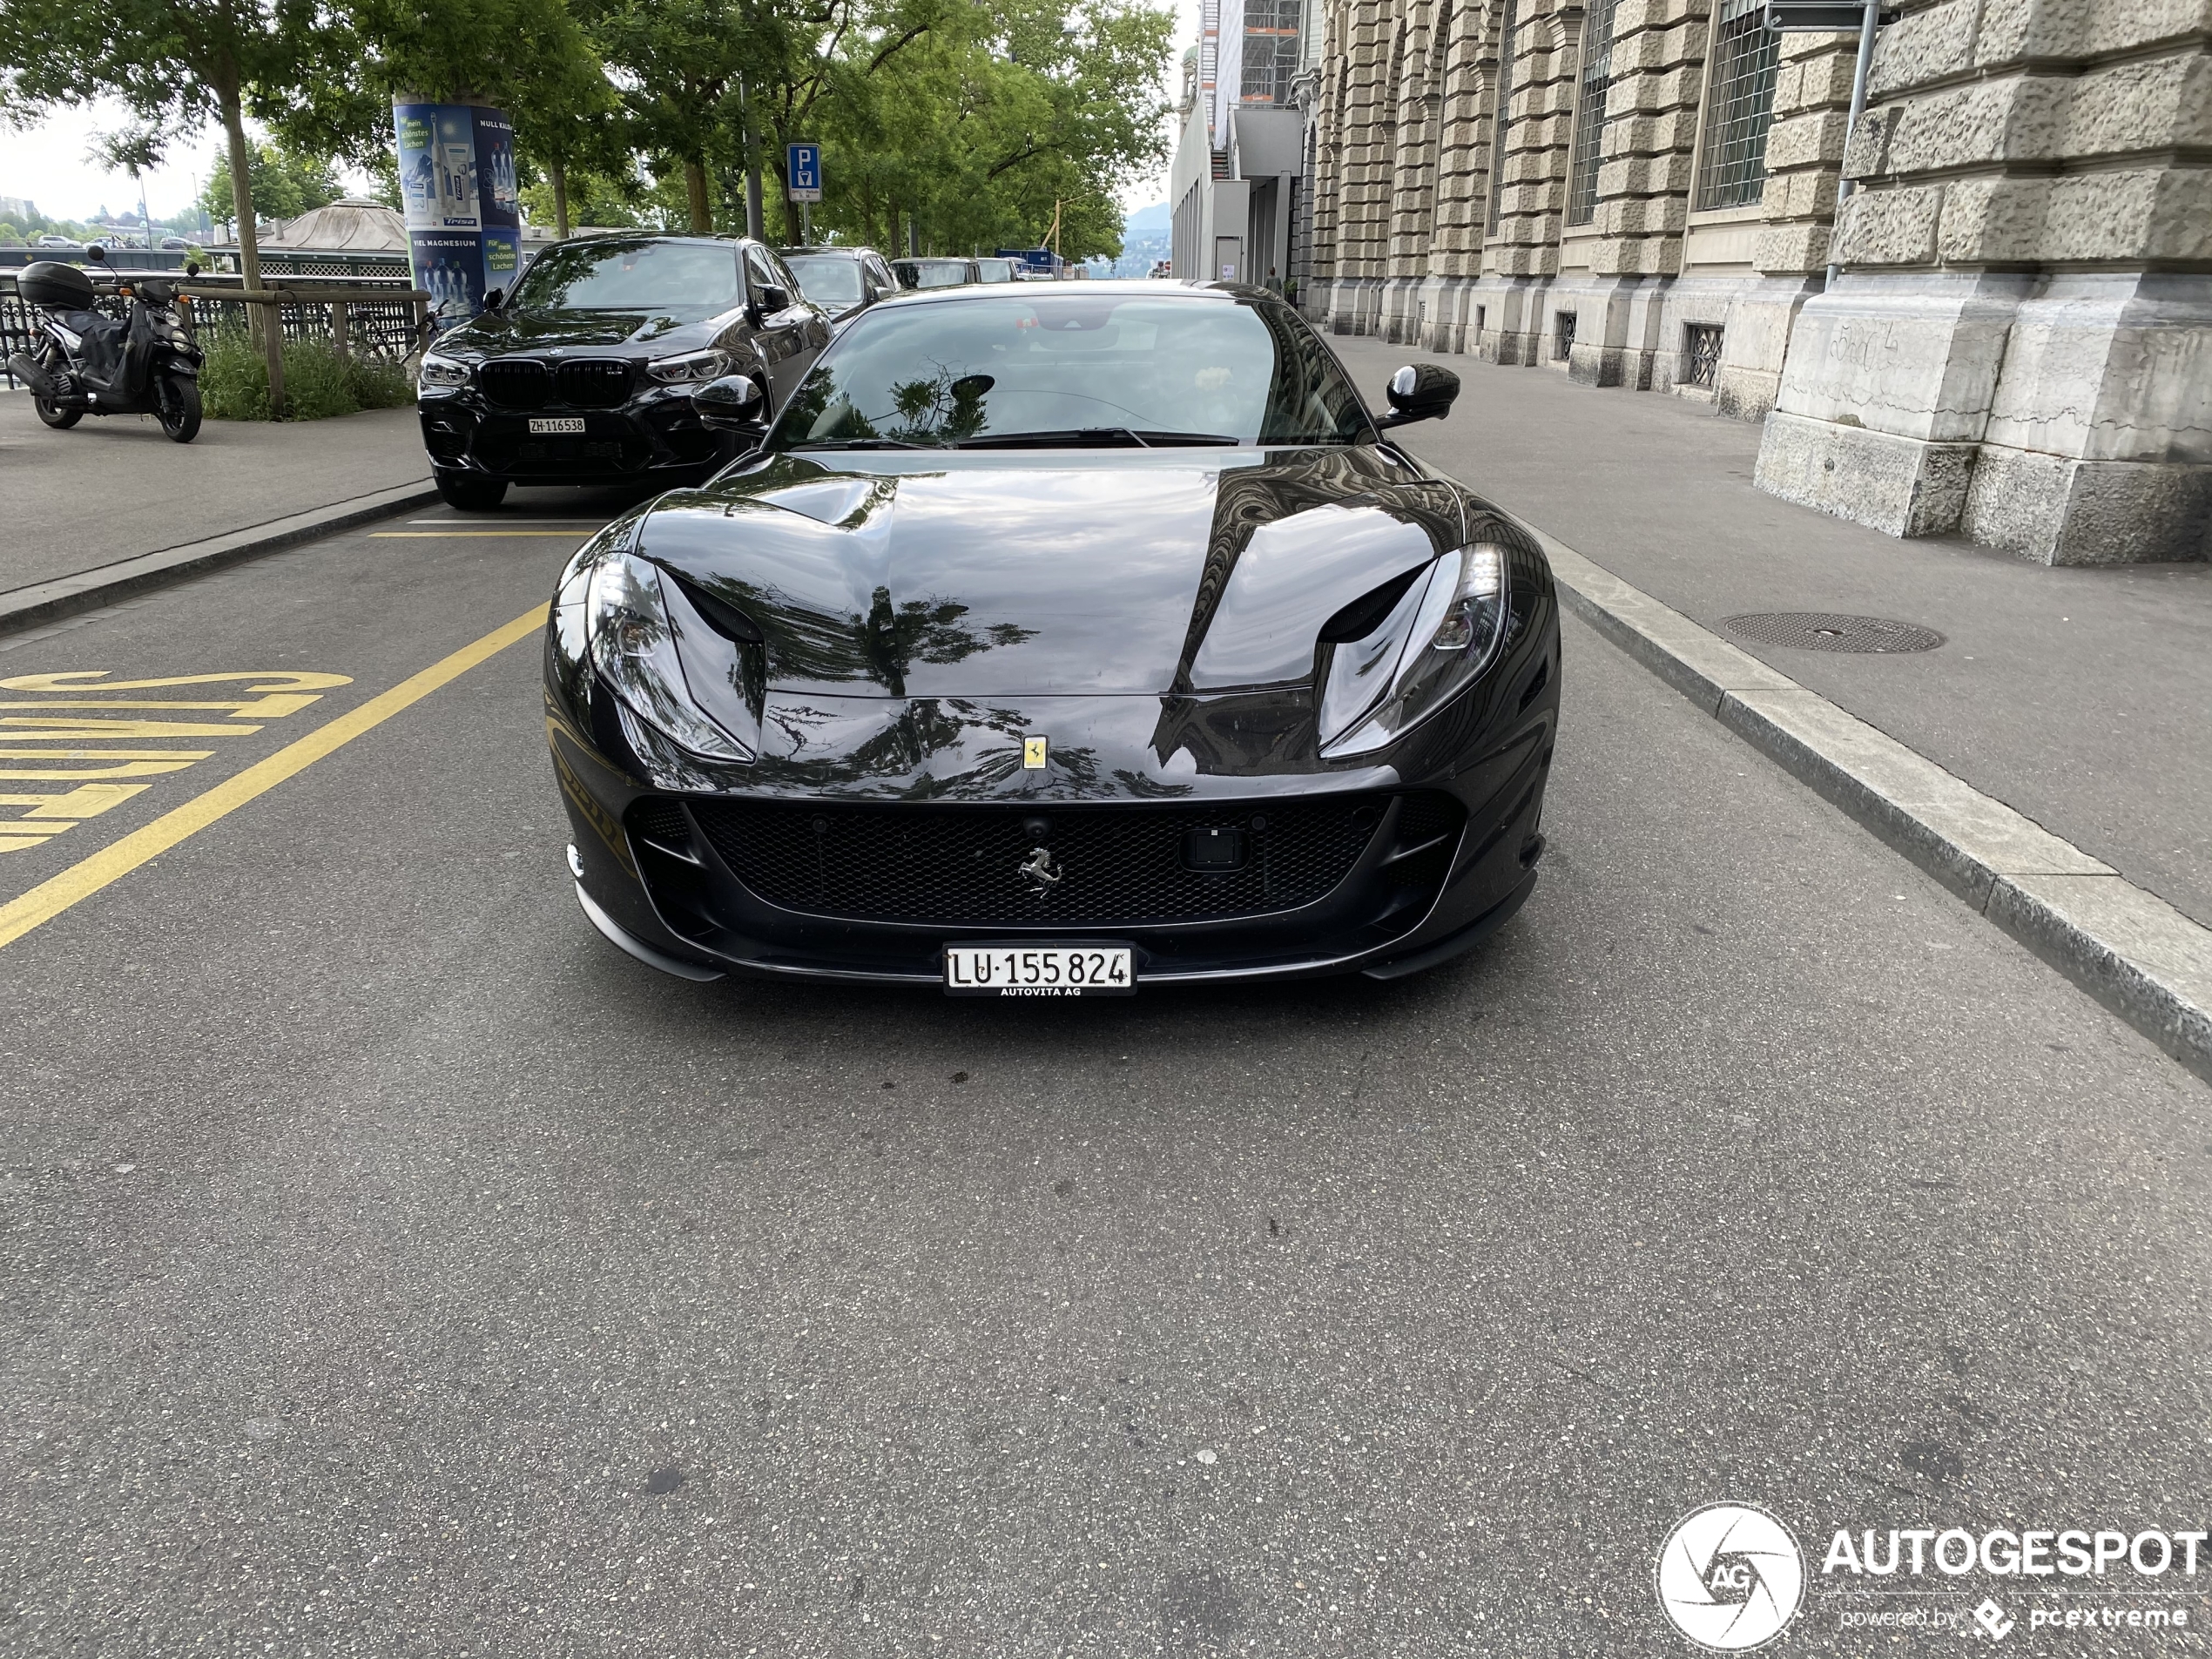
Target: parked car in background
(843, 281)
(584, 373)
(174, 244)
(60, 242)
(997, 270)
(934, 273)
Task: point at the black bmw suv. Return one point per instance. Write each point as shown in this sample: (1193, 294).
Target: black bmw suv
(584, 373)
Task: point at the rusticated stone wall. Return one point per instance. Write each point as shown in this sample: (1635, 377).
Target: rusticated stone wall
(2020, 347)
(2017, 345)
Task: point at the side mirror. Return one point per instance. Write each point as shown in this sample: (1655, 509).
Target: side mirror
(493, 300)
(731, 404)
(1419, 392)
(773, 298)
(95, 253)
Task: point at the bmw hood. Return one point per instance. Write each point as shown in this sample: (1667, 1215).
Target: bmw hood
(499, 332)
(995, 574)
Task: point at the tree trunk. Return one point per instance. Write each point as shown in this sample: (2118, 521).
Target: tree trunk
(249, 245)
(264, 320)
(560, 176)
(695, 188)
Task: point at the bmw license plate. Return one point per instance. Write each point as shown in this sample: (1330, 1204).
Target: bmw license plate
(1038, 970)
(544, 425)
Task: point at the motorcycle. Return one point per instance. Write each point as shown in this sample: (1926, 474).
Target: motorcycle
(87, 362)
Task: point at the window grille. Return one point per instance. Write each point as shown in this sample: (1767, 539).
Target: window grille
(1590, 114)
(1704, 353)
(1740, 107)
(1505, 117)
(1562, 336)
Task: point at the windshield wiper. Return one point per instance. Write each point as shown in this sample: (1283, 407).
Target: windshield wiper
(1089, 435)
(861, 443)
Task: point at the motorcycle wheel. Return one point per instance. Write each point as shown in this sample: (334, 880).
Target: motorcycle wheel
(179, 410)
(469, 492)
(60, 420)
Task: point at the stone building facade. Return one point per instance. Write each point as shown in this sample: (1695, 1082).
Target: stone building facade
(2014, 343)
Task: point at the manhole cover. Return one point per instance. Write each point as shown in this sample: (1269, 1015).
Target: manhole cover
(1816, 630)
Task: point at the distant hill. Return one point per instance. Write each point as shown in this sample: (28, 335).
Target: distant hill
(1153, 218)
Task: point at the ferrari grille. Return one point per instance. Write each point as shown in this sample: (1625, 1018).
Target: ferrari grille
(1106, 866)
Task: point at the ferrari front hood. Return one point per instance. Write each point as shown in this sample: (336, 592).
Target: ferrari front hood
(975, 574)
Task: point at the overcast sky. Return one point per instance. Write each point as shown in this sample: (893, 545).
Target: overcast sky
(47, 164)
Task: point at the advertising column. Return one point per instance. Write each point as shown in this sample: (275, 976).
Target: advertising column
(464, 215)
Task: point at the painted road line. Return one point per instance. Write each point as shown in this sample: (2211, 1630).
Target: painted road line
(273, 695)
(2126, 947)
(49, 899)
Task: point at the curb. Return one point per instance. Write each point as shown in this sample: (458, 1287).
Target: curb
(2126, 947)
(88, 590)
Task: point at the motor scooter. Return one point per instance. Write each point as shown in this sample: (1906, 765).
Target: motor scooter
(86, 362)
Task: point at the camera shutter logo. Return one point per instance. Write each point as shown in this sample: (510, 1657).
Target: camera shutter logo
(1730, 1577)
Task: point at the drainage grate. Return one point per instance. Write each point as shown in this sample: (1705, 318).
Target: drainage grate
(1817, 631)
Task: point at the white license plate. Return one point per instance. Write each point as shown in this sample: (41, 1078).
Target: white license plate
(556, 423)
(1038, 970)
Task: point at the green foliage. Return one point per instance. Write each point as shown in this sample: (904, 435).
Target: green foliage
(9, 236)
(593, 200)
(318, 383)
(285, 183)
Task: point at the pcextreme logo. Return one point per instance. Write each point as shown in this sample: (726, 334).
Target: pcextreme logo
(1730, 1577)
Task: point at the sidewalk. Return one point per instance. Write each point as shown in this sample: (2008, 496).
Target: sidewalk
(115, 489)
(2080, 697)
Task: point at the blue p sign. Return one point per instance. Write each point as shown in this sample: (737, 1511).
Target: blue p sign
(804, 171)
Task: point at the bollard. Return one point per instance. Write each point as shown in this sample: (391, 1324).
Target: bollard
(338, 318)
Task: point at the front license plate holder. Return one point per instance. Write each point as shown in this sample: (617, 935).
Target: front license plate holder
(544, 426)
(1041, 967)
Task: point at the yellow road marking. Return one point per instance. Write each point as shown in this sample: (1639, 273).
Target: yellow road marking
(432, 536)
(112, 863)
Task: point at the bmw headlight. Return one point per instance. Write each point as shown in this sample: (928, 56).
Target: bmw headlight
(668, 667)
(442, 371)
(1440, 633)
(691, 366)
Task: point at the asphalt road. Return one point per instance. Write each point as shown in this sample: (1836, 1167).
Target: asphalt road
(389, 1266)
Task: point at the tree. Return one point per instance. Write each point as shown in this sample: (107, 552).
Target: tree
(137, 151)
(285, 184)
(1011, 118)
(173, 62)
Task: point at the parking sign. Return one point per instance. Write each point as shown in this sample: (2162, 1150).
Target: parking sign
(803, 170)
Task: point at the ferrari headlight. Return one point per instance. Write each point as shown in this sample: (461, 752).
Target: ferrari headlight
(691, 366)
(442, 371)
(643, 638)
(1441, 633)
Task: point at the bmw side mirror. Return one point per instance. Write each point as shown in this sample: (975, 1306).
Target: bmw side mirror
(731, 404)
(773, 298)
(493, 300)
(1419, 392)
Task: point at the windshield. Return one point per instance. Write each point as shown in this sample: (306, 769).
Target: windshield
(932, 274)
(669, 279)
(827, 281)
(1049, 368)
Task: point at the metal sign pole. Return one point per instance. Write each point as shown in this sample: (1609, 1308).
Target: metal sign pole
(1850, 128)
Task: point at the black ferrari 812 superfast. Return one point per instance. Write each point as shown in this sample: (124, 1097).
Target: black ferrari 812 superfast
(1059, 640)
